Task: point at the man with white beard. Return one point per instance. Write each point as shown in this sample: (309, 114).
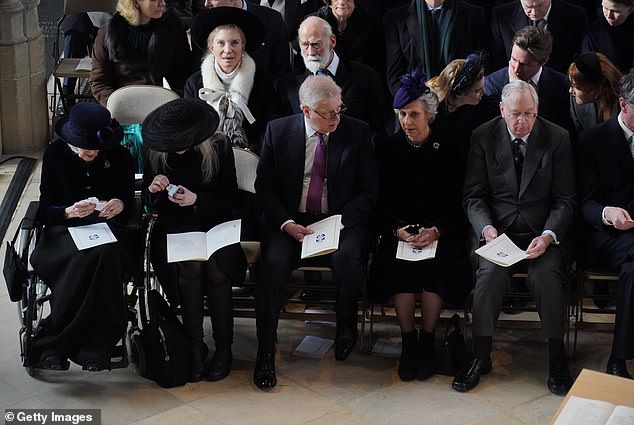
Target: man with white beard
(362, 90)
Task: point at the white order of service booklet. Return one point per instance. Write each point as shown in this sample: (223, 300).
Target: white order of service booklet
(325, 238)
(407, 252)
(91, 235)
(502, 251)
(199, 246)
(586, 411)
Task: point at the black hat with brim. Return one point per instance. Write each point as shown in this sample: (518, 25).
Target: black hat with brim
(205, 22)
(179, 125)
(89, 126)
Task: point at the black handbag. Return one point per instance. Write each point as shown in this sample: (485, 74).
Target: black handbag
(15, 269)
(453, 355)
(165, 351)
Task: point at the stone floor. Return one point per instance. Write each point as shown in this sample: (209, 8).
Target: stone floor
(365, 389)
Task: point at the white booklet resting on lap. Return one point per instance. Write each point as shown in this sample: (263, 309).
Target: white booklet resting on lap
(325, 239)
(91, 235)
(586, 411)
(405, 251)
(501, 251)
(199, 246)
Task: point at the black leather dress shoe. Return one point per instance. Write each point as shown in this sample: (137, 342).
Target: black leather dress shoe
(94, 366)
(344, 341)
(264, 372)
(618, 368)
(469, 377)
(54, 362)
(559, 380)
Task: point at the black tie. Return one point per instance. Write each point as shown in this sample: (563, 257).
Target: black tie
(325, 72)
(271, 3)
(518, 157)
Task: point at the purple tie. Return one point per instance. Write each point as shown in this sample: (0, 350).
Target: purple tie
(317, 177)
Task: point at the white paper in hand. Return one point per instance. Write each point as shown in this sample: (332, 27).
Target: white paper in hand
(91, 235)
(502, 251)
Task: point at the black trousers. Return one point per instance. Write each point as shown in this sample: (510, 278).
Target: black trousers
(615, 252)
(281, 255)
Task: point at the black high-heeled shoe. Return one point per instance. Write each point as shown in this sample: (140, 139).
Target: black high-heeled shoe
(54, 362)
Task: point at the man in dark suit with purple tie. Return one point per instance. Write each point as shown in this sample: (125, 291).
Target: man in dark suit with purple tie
(313, 165)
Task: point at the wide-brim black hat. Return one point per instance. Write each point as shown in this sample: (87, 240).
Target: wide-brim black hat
(179, 125)
(205, 22)
(89, 126)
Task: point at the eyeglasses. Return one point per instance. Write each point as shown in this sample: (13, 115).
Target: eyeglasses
(315, 46)
(332, 114)
(526, 115)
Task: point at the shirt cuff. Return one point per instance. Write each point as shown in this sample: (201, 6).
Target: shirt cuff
(603, 219)
(552, 235)
(285, 223)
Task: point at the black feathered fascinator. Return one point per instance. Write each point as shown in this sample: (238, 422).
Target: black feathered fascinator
(467, 74)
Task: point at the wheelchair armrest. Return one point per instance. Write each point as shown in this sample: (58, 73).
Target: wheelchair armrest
(29, 222)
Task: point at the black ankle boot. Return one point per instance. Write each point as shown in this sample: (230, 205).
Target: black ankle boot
(426, 355)
(407, 363)
(197, 361)
(220, 363)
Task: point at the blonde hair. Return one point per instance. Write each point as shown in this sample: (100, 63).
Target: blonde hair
(209, 151)
(128, 10)
(216, 30)
(443, 83)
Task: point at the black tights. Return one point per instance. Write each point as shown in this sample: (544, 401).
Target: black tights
(194, 276)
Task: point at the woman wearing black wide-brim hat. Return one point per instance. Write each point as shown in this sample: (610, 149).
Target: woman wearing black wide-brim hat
(229, 80)
(185, 150)
(87, 178)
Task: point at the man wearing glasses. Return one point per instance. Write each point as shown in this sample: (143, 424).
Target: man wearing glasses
(565, 21)
(606, 177)
(531, 49)
(520, 182)
(313, 165)
(361, 87)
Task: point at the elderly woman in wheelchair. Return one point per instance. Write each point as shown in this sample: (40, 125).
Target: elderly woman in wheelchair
(87, 178)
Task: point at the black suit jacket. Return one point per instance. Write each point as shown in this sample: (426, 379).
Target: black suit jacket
(404, 43)
(566, 23)
(294, 13)
(351, 171)
(361, 91)
(545, 199)
(601, 37)
(552, 91)
(606, 172)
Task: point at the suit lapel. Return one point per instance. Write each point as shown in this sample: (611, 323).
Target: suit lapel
(414, 31)
(296, 143)
(617, 142)
(535, 149)
(504, 155)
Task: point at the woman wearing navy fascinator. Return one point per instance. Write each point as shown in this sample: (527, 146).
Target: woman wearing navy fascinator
(419, 209)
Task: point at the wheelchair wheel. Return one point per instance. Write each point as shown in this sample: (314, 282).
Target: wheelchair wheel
(137, 354)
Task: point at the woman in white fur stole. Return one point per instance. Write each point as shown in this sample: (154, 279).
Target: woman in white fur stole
(243, 94)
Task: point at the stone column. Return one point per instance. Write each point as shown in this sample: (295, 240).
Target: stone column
(23, 101)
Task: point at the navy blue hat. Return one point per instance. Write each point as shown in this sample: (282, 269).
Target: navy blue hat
(467, 74)
(205, 22)
(89, 126)
(179, 125)
(412, 87)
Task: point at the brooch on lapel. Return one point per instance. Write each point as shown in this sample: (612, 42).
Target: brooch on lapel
(106, 164)
(436, 145)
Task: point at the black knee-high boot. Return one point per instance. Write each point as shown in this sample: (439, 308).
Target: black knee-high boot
(219, 300)
(192, 314)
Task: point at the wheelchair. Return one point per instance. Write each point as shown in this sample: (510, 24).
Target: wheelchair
(33, 306)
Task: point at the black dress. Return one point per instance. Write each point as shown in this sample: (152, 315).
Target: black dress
(419, 185)
(88, 312)
(214, 205)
